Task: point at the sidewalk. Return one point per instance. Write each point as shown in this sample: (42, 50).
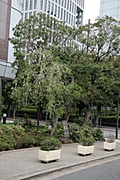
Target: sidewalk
(24, 163)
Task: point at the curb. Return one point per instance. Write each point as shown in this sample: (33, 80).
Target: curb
(36, 175)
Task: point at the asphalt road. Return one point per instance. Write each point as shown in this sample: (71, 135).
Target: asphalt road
(106, 171)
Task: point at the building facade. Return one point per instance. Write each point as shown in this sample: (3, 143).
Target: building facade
(10, 14)
(70, 11)
(110, 8)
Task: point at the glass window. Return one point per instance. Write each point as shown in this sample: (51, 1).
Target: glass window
(65, 4)
(59, 2)
(26, 6)
(72, 7)
(26, 15)
(68, 5)
(72, 20)
(61, 14)
(55, 12)
(48, 11)
(45, 5)
(64, 15)
(35, 13)
(30, 14)
(22, 5)
(35, 4)
(67, 17)
(62, 3)
(41, 4)
(52, 8)
(58, 12)
(31, 4)
(22, 17)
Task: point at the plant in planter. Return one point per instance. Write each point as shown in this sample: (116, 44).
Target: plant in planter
(87, 146)
(110, 143)
(50, 150)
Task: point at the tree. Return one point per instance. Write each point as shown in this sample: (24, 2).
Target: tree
(34, 41)
(101, 44)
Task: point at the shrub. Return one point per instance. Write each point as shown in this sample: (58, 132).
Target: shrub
(25, 141)
(7, 142)
(44, 129)
(50, 144)
(75, 133)
(11, 130)
(98, 134)
(79, 121)
(110, 138)
(88, 141)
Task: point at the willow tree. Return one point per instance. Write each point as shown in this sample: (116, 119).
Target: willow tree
(40, 76)
(100, 42)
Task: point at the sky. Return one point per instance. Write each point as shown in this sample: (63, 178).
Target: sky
(91, 10)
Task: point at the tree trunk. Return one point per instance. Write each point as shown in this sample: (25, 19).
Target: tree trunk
(54, 126)
(38, 115)
(87, 116)
(14, 109)
(98, 112)
(8, 111)
(66, 117)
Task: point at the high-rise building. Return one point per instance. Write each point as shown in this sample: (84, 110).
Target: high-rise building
(70, 11)
(10, 14)
(110, 8)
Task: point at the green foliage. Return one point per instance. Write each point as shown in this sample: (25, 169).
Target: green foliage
(44, 129)
(7, 142)
(98, 134)
(88, 141)
(109, 119)
(27, 111)
(25, 141)
(59, 131)
(79, 121)
(50, 144)
(75, 133)
(11, 130)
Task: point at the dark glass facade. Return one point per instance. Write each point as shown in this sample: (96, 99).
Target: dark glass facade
(5, 10)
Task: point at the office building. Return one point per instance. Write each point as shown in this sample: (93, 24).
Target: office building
(10, 14)
(110, 8)
(70, 11)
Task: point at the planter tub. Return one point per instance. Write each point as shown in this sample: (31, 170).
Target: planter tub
(109, 146)
(47, 156)
(84, 150)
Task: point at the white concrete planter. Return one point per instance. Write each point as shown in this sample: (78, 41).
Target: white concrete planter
(84, 150)
(109, 146)
(47, 156)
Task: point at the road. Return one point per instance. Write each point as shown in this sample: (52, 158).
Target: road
(106, 171)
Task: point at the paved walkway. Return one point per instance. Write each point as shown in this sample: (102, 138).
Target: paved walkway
(24, 163)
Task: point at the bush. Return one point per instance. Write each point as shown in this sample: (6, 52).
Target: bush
(98, 134)
(50, 144)
(25, 141)
(88, 141)
(11, 130)
(75, 133)
(7, 142)
(79, 121)
(44, 129)
(110, 138)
